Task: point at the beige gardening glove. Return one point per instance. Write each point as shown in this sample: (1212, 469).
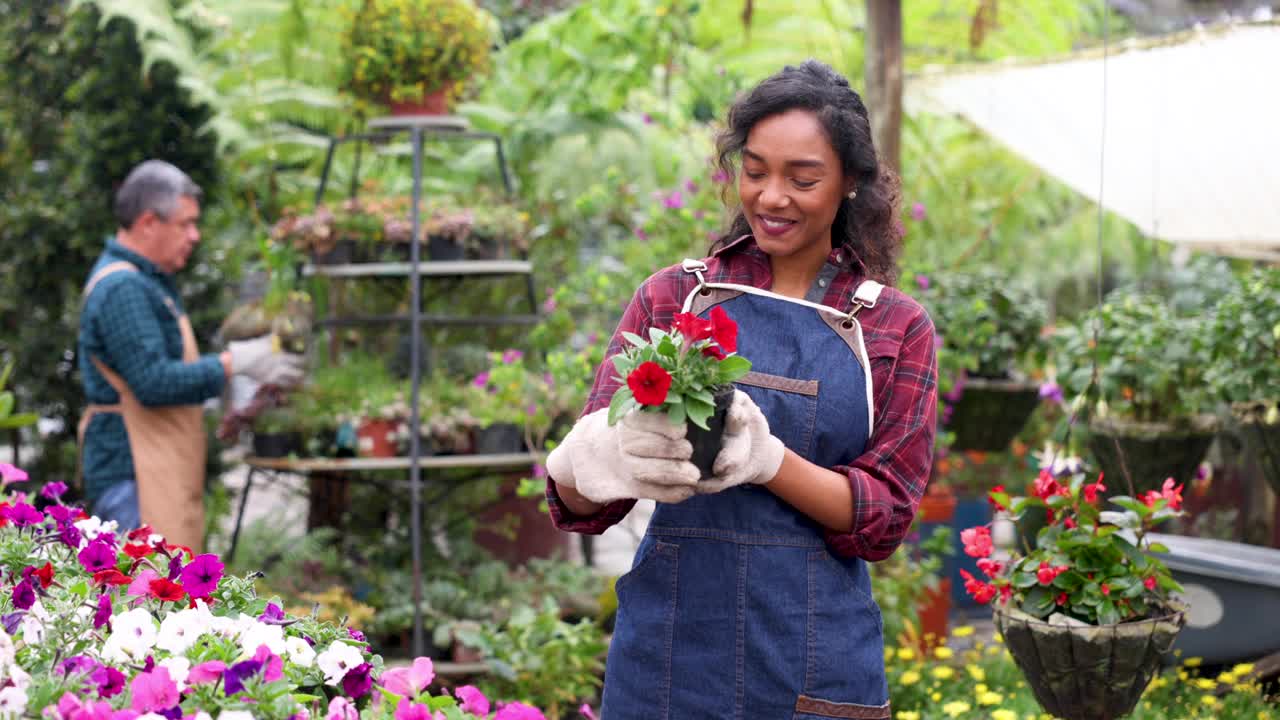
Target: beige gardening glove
(644, 456)
(749, 453)
(260, 360)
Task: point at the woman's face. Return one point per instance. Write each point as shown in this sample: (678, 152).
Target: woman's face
(791, 185)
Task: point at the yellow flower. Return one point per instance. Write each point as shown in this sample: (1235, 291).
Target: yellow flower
(990, 698)
(995, 650)
(906, 654)
(942, 672)
(661, 11)
(907, 715)
(936, 697)
(997, 639)
(1206, 684)
(910, 677)
(1227, 678)
(1209, 700)
(980, 688)
(942, 652)
(1193, 661)
(962, 631)
(976, 672)
(1002, 714)
(888, 654)
(1242, 669)
(956, 708)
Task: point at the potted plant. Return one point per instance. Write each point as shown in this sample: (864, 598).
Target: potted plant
(686, 371)
(991, 329)
(1149, 410)
(499, 402)
(1088, 612)
(277, 433)
(416, 56)
(1243, 336)
(449, 231)
(498, 229)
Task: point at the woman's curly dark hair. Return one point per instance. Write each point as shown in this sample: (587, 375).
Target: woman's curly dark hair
(868, 225)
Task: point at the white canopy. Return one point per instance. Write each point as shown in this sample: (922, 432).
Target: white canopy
(1192, 132)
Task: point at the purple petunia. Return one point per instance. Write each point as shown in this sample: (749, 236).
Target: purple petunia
(200, 577)
(102, 616)
(109, 680)
(69, 535)
(24, 515)
(233, 679)
(272, 615)
(97, 555)
(53, 490)
(77, 664)
(24, 595)
(358, 680)
(356, 635)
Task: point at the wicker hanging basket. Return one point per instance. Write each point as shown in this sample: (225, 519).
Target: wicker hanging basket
(990, 413)
(1152, 451)
(1088, 672)
(1261, 438)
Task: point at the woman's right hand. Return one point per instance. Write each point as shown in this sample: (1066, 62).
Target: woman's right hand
(644, 456)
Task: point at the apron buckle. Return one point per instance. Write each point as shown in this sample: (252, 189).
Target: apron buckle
(697, 267)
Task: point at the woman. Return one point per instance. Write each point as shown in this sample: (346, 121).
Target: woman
(749, 596)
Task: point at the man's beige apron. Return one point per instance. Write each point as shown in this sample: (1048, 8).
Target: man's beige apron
(167, 443)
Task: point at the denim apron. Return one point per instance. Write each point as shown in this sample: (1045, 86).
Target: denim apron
(734, 606)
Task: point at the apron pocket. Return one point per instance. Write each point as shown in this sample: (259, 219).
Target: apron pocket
(808, 708)
(638, 670)
(791, 406)
(844, 623)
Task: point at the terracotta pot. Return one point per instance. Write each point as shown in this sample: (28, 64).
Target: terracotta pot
(938, 504)
(934, 610)
(535, 536)
(434, 103)
(374, 438)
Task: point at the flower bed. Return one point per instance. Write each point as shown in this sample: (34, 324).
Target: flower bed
(99, 625)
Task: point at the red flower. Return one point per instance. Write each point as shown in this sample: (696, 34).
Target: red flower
(4, 515)
(1046, 574)
(691, 327)
(111, 576)
(1062, 599)
(724, 330)
(982, 592)
(1006, 593)
(1106, 589)
(137, 552)
(990, 567)
(714, 351)
(1045, 486)
(140, 533)
(992, 500)
(649, 383)
(1149, 583)
(45, 574)
(1172, 494)
(1070, 523)
(977, 541)
(1091, 490)
(166, 590)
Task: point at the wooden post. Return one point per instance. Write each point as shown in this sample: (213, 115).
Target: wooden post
(884, 77)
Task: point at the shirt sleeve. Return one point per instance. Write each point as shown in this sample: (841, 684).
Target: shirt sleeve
(133, 341)
(889, 478)
(635, 319)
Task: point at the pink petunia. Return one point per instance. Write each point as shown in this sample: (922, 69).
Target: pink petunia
(472, 700)
(11, 473)
(200, 576)
(406, 710)
(341, 708)
(519, 711)
(97, 555)
(409, 681)
(206, 672)
(272, 665)
(153, 691)
(141, 584)
(24, 515)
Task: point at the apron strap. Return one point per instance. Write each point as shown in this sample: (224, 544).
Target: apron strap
(108, 269)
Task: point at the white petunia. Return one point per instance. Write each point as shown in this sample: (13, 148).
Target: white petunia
(90, 528)
(18, 677)
(262, 634)
(13, 702)
(179, 668)
(337, 660)
(233, 715)
(201, 715)
(151, 716)
(136, 632)
(7, 651)
(179, 631)
(300, 651)
(32, 630)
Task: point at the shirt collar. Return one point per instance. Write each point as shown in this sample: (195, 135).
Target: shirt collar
(144, 265)
(838, 256)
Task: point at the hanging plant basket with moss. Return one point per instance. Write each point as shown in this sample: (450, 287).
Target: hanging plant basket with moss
(1259, 424)
(989, 413)
(1152, 451)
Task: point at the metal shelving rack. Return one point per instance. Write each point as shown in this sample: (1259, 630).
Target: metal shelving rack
(383, 130)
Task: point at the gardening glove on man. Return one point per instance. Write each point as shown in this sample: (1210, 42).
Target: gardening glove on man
(749, 453)
(644, 456)
(258, 359)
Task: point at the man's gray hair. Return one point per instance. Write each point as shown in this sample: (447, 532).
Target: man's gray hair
(154, 185)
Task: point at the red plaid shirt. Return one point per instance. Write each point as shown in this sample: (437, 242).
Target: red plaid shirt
(889, 478)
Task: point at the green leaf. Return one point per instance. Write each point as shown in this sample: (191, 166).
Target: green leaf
(635, 339)
(18, 421)
(620, 404)
(704, 396)
(1129, 503)
(1038, 602)
(656, 335)
(1107, 613)
(698, 411)
(675, 411)
(732, 369)
(1024, 580)
(440, 702)
(1156, 547)
(668, 348)
(6, 403)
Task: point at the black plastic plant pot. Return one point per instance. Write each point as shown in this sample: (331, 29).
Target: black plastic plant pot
(1088, 672)
(498, 439)
(707, 443)
(276, 445)
(441, 248)
(341, 253)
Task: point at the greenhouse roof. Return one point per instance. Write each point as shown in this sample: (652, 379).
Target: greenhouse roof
(1192, 131)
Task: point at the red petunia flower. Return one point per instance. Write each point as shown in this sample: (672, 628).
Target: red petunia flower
(166, 590)
(45, 574)
(649, 383)
(691, 327)
(140, 533)
(111, 576)
(724, 330)
(138, 551)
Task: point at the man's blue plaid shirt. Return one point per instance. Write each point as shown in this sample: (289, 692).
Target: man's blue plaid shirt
(128, 326)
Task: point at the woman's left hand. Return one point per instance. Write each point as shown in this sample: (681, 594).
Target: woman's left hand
(749, 453)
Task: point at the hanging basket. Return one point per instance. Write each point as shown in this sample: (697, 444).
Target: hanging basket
(1152, 451)
(1088, 672)
(1261, 439)
(990, 413)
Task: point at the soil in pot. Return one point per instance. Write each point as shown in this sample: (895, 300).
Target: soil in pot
(991, 412)
(1151, 452)
(707, 443)
(434, 103)
(276, 445)
(441, 248)
(498, 439)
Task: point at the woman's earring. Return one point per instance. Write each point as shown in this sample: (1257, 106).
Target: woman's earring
(852, 194)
